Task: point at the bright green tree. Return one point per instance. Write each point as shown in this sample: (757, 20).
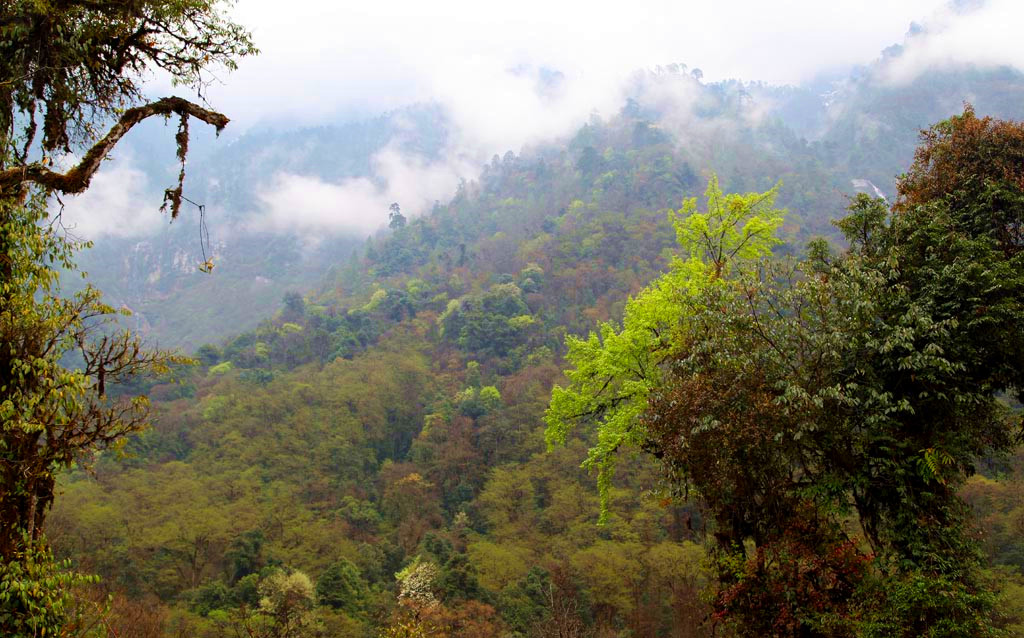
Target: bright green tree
(615, 370)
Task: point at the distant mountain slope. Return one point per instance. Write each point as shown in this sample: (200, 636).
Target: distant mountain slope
(825, 141)
(157, 275)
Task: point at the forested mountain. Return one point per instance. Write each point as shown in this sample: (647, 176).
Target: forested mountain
(379, 435)
(823, 141)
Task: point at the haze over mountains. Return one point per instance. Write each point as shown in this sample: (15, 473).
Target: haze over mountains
(285, 203)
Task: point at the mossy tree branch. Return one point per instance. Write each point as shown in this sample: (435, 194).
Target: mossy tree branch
(77, 179)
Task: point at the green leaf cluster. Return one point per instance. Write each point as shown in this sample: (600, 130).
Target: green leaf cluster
(615, 370)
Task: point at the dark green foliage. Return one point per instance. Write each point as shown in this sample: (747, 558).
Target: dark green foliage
(926, 603)
(524, 605)
(379, 562)
(477, 402)
(458, 580)
(341, 587)
(344, 344)
(362, 516)
(396, 219)
(211, 596)
(208, 355)
(245, 555)
(491, 324)
(294, 307)
(437, 547)
(257, 376)
(246, 591)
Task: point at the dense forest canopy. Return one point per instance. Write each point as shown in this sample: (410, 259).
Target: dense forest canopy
(573, 399)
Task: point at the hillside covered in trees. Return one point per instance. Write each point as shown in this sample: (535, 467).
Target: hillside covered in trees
(381, 442)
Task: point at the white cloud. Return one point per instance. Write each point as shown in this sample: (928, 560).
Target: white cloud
(304, 204)
(325, 57)
(484, 63)
(118, 203)
(309, 206)
(985, 34)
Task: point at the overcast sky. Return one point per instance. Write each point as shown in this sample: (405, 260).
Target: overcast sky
(324, 56)
(323, 60)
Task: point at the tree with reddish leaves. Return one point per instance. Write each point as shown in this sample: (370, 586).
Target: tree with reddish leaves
(970, 163)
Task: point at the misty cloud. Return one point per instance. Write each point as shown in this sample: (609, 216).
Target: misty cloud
(531, 72)
(308, 206)
(118, 203)
(979, 33)
(323, 58)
